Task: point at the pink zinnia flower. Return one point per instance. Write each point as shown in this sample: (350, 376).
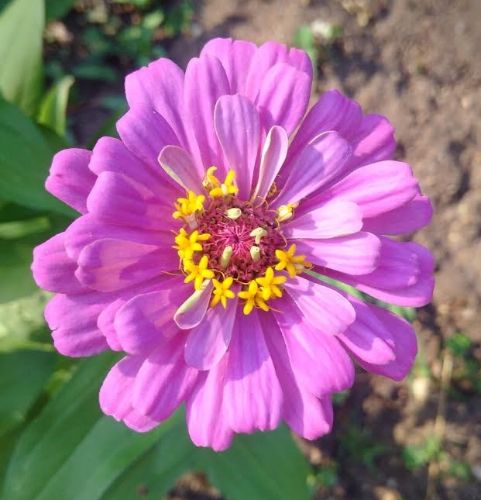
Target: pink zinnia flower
(201, 234)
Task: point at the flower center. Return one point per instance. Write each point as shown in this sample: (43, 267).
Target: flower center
(229, 241)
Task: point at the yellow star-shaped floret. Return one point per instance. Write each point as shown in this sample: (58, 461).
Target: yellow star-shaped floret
(222, 292)
(216, 188)
(187, 244)
(270, 284)
(187, 206)
(198, 272)
(253, 298)
(293, 264)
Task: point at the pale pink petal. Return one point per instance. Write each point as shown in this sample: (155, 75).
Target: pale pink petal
(252, 393)
(237, 126)
(70, 179)
(205, 415)
(354, 254)
(138, 422)
(159, 86)
(108, 265)
(273, 155)
(73, 321)
(235, 57)
(319, 163)
(283, 97)
(318, 359)
(179, 166)
(52, 269)
(323, 308)
(332, 219)
(164, 381)
(205, 82)
(408, 218)
(208, 342)
(192, 311)
(376, 188)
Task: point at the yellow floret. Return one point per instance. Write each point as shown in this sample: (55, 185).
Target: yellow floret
(222, 292)
(253, 298)
(216, 188)
(188, 206)
(198, 272)
(293, 264)
(270, 284)
(187, 244)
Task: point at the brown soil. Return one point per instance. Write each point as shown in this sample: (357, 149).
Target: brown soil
(416, 61)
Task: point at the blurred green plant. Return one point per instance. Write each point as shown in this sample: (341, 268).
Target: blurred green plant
(361, 446)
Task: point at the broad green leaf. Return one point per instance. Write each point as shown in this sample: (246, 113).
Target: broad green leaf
(21, 29)
(25, 157)
(57, 8)
(264, 465)
(22, 376)
(53, 109)
(70, 450)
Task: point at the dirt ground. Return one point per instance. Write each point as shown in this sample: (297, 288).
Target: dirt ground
(418, 63)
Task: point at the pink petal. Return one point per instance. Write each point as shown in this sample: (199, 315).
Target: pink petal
(235, 57)
(237, 126)
(145, 133)
(111, 155)
(88, 228)
(52, 269)
(146, 318)
(73, 320)
(319, 361)
(273, 155)
(333, 111)
(373, 142)
(138, 422)
(208, 342)
(205, 416)
(164, 381)
(70, 179)
(307, 415)
(205, 82)
(332, 219)
(159, 86)
(179, 166)
(320, 162)
(323, 308)
(119, 199)
(283, 97)
(377, 188)
(252, 394)
(110, 264)
(266, 57)
(408, 218)
(354, 254)
(417, 294)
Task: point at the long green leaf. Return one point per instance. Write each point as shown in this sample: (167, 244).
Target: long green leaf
(25, 157)
(53, 109)
(22, 376)
(21, 29)
(58, 8)
(265, 465)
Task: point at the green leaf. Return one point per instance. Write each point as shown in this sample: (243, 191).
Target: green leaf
(53, 109)
(70, 441)
(21, 29)
(57, 8)
(265, 465)
(25, 157)
(22, 376)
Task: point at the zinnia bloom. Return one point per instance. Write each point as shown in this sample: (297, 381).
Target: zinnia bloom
(211, 239)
